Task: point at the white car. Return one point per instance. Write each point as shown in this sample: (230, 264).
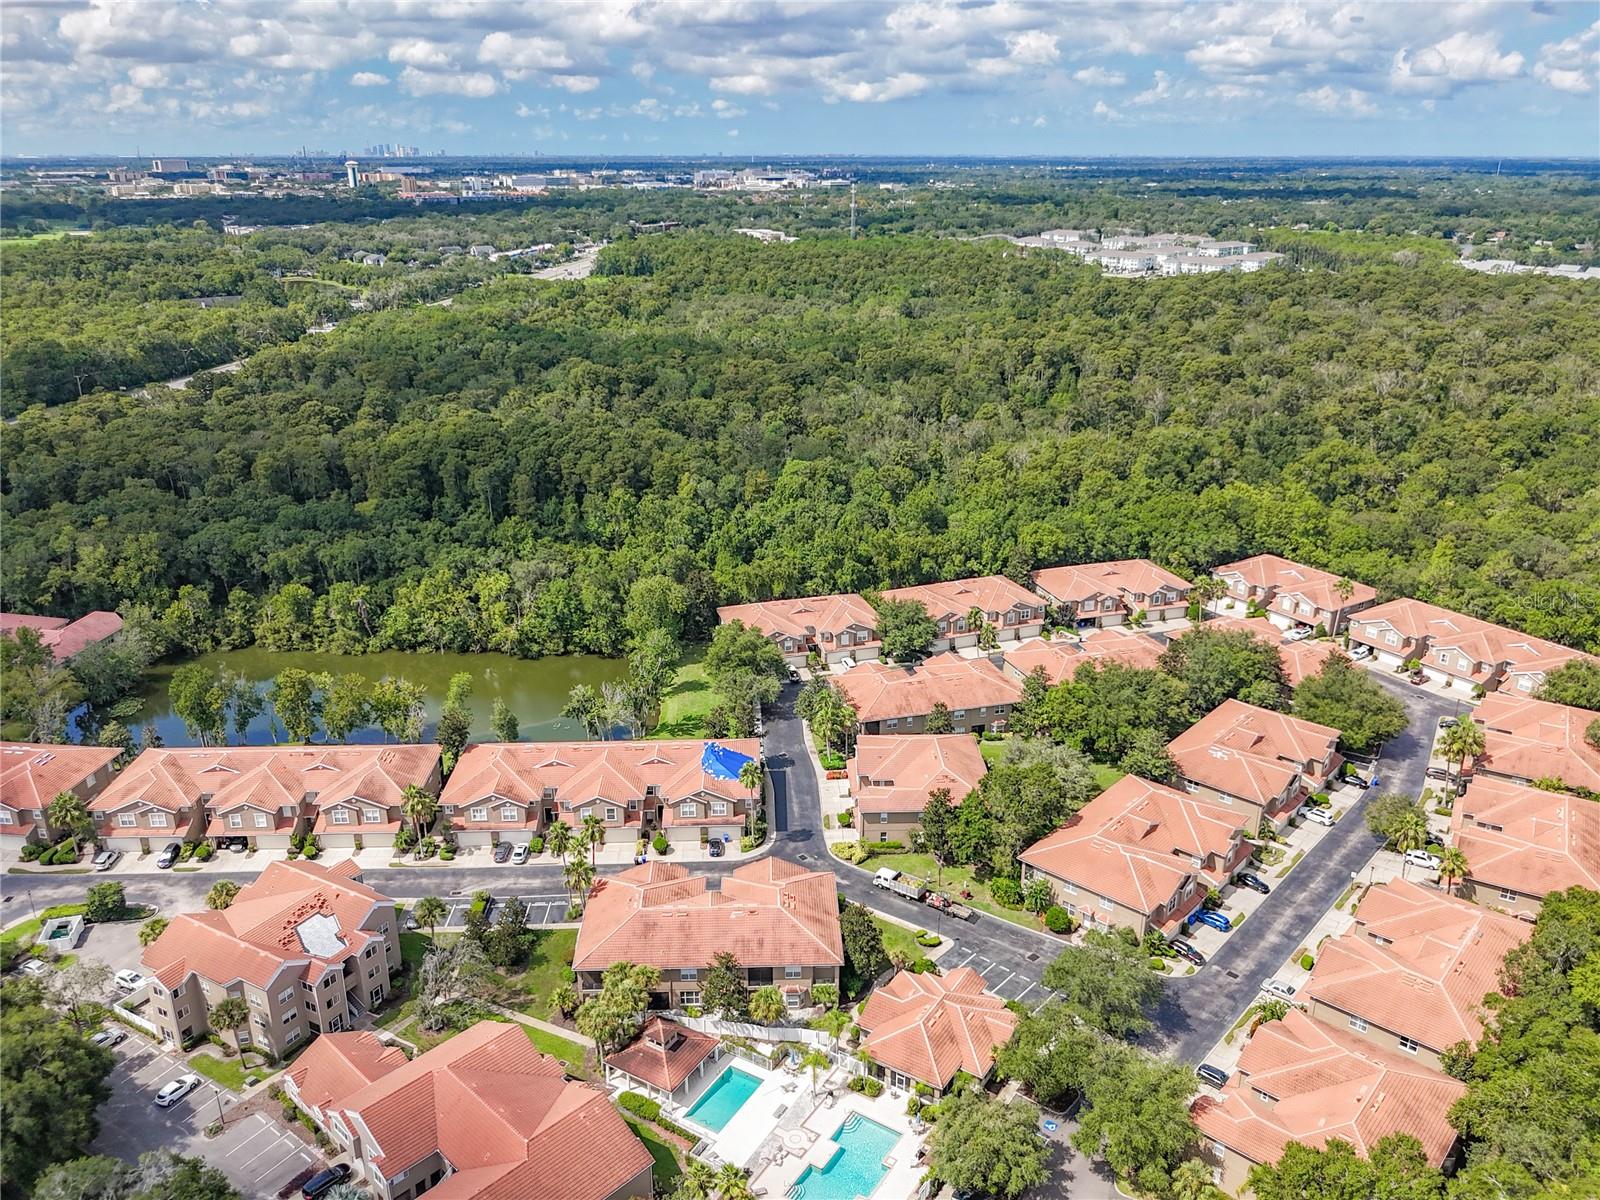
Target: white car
(1298, 634)
(1318, 816)
(1279, 988)
(1421, 858)
(106, 859)
(1361, 652)
(129, 980)
(519, 854)
(180, 1087)
(847, 662)
(35, 967)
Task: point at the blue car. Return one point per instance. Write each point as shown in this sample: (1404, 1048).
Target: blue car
(1214, 919)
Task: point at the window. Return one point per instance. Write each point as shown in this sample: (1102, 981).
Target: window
(235, 820)
(261, 820)
(1525, 683)
(371, 816)
(158, 818)
(1444, 659)
(611, 813)
(652, 790)
(126, 820)
(688, 999)
(376, 995)
(689, 973)
(549, 794)
(258, 1002)
(294, 1036)
(791, 972)
(1410, 1045)
(508, 812)
(892, 723)
(1391, 638)
(719, 808)
(341, 816)
(183, 1012)
(480, 813)
(1359, 1024)
(289, 1017)
(883, 835)
(1507, 894)
(883, 818)
(959, 713)
(1070, 889)
(284, 995)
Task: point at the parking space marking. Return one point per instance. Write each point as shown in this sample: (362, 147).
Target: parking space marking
(1009, 976)
(971, 954)
(1024, 992)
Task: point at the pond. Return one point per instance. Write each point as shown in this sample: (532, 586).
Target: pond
(534, 689)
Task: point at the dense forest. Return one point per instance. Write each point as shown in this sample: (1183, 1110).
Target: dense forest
(750, 420)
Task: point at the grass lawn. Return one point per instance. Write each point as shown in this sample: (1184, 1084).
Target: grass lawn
(953, 880)
(899, 938)
(992, 752)
(1105, 776)
(229, 1072)
(666, 1170)
(688, 700)
(567, 1050)
(549, 966)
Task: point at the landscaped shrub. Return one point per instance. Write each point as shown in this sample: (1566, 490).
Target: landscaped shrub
(874, 1086)
(447, 853)
(32, 851)
(747, 844)
(185, 854)
(640, 1105)
(203, 851)
(924, 938)
(1320, 799)
(1307, 961)
(535, 846)
(660, 844)
(847, 818)
(849, 851)
(831, 760)
(1158, 963)
(1057, 919)
(913, 1106)
(1007, 892)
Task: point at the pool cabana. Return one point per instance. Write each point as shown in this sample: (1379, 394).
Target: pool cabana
(664, 1062)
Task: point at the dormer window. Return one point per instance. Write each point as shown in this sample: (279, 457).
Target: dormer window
(549, 794)
(652, 789)
(508, 812)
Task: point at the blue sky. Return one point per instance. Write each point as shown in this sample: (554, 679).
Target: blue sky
(752, 77)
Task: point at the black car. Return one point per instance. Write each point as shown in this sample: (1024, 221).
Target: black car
(169, 855)
(1254, 882)
(325, 1181)
(1185, 951)
(1215, 1076)
(502, 851)
(715, 847)
(794, 674)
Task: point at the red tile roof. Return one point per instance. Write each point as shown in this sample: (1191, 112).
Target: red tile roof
(1131, 580)
(1532, 841)
(1300, 659)
(34, 773)
(502, 1114)
(898, 774)
(1059, 658)
(1535, 739)
(769, 913)
(1418, 963)
(335, 1066)
(1249, 752)
(806, 618)
(61, 637)
(664, 1054)
(1480, 641)
(1280, 576)
(1326, 1083)
(1137, 650)
(883, 691)
(931, 1026)
(954, 599)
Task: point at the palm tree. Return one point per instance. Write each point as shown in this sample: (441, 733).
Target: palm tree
(221, 894)
(1206, 589)
(420, 808)
(1462, 739)
(733, 1183)
(67, 813)
(1191, 1180)
(1453, 865)
(560, 839)
(577, 875)
(699, 1181)
(429, 912)
(152, 929)
(594, 834)
(1410, 833)
(817, 1061)
(228, 1015)
(751, 777)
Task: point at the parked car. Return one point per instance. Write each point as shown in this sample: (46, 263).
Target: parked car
(1437, 773)
(847, 662)
(325, 1181)
(794, 674)
(502, 851)
(106, 859)
(1279, 988)
(238, 845)
(1254, 882)
(1214, 920)
(1446, 722)
(129, 980)
(180, 1087)
(169, 855)
(35, 967)
(109, 1038)
(1418, 676)
(1298, 634)
(520, 854)
(412, 924)
(1318, 816)
(1215, 1076)
(1361, 652)
(1421, 858)
(1187, 952)
(715, 847)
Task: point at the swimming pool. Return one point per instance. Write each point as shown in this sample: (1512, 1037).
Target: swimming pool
(856, 1169)
(723, 1098)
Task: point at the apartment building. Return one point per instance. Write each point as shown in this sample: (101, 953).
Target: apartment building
(892, 699)
(308, 948)
(483, 1116)
(1410, 976)
(780, 920)
(926, 1028)
(961, 607)
(1291, 594)
(1111, 593)
(1258, 763)
(514, 791)
(1523, 843)
(349, 796)
(32, 774)
(892, 777)
(1526, 740)
(1139, 856)
(836, 627)
(63, 637)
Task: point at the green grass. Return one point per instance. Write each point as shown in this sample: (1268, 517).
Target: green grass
(688, 700)
(58, 870)
(666, 1169)
(318, 281)
(952, 881)
(897, 938)
(549, 966)
(992, 752)
(1105, 776)
(567, 1050)
(229, 1072)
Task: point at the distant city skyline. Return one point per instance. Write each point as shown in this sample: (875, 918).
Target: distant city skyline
(922, 77)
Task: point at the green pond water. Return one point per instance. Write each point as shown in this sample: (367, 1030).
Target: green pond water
(534, 689)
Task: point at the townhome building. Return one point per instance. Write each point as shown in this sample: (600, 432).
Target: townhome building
(836, 627)
(1139, 856)
(1060, 658)
(349, 796)
(483, 1116)
(32, 774)
(1012, 610)
(892, 699)
(780, 920)
(892, 777)
(1299, 1080)
(1411, 974)
(1111, 593)
(308, 948)
(689, 789)
(1528, 740)
(1292, 595)
(1257, 763)
(1522, 843)
(929, 1028)
(1454, 649)
(63, 637)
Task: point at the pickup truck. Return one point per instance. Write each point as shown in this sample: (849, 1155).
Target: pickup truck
(900, 884)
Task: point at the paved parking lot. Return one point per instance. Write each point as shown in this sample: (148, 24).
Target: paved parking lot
(543, 909)
(257, 1154)
(1007, 974)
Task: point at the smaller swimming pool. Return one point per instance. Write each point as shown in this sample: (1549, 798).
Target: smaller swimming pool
(723, 1098)
(856, 1169)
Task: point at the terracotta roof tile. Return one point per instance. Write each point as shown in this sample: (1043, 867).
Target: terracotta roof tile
(898, 774)
(1532, 841)
(806, 618)
(1130, 580)
(953, 599)
(1250, 752)
(1281, 576)
(1535, 739)
(883, 691)
(32, 773)
(931, 1026)
(64, 638)
(664, 1054)
(1481, 641)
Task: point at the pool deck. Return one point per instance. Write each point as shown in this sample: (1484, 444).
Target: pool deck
(808, 1142)
(741, 1137)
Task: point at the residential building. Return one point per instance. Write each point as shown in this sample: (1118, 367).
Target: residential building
(308, 948)
(62, 637)
(1291, 594)
(1453, 648)
(1110, 593)
(1526, 740)
(893, 699)
(1059, 658)
(892, 777)
(1301, 1081)
(1139, 856)
(1011, 609)
(664, 1061)
(514, 791)
(780, 920)
(926, 1028)
(483, 1116)
(349, 796)
(1300, 659)
(1210, 249)
(1412, 973)
(835, 627)
(1139, 651)
(32, 774)
(1523, 843)
(1259, 763)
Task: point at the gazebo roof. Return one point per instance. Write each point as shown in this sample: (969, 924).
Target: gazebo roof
(664, 1054)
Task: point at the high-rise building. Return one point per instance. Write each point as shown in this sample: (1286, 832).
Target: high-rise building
(350, 165)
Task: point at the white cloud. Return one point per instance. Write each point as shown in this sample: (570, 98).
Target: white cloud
(1338, 101)
(1105, 112)
(475, 84)
(1100, 77)
(1039, 122)
(523, 53)
(1159, 89)
(576, 84)
(1035, 48)
(536, 112)
(368, 79)
(1461, 59)
(896, 87)
(726, 109)
(1572, 64)
(419, 52)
